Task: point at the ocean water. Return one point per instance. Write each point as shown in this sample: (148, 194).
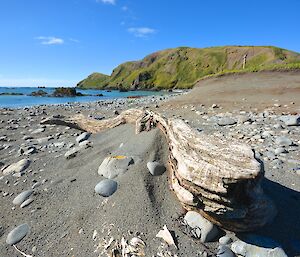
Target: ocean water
(15, 101)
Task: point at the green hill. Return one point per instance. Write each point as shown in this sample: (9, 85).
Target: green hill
(95, 80)
(182, 67)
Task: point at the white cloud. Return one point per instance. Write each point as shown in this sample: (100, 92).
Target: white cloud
(141, 32)
(125, 8)
(50, 40)
(113, 2)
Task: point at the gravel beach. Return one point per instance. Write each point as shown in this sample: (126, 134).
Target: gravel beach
(50, 176)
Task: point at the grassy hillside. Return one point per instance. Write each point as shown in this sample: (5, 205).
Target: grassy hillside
(95, 80)
(182, 67)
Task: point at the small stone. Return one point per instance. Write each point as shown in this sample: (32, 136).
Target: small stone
(17, 234)
(270, 155)
(31, 150)
(39, 130)
(82, 137)
(242, 119)
(226, 121)
(95, 235)
(26, 202)
(72, 153)
(280, 150)
(283, 141)
(155, 168)
(277, 126)
(35, 185)
(106, 187)
(265, 134)
(291, 120)
(225, 251)
(207, 230)
(17, 167)
(27, 137)
(20, 198)
(85, 144)
(59, 144)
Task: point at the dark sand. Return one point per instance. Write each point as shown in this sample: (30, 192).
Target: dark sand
(66, 211)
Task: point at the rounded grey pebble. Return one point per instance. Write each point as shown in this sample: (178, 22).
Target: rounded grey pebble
(283, 141)
(226, 121)
(155, 168)
(106, 187)
(280, 150)
(20, 198)
(71, 153)
(84, 136)
(26, 202)
(224, 251)
(17, 234)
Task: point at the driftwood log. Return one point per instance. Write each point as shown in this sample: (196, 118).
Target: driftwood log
(221, 179)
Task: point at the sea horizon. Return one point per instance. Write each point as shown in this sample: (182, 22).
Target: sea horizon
(90, 95)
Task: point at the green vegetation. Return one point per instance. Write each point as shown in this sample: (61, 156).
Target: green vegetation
(274, 67)
(65, 91)
(182, 67)
(95, 80)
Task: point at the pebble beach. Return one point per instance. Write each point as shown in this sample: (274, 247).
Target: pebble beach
(65, 192)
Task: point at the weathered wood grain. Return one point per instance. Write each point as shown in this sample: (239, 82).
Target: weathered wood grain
(219, 178)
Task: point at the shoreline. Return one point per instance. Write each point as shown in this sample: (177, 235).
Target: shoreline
(27, 101)
(66, 211)
(117, 100)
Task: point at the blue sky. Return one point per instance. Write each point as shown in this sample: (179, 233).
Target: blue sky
(59, 42)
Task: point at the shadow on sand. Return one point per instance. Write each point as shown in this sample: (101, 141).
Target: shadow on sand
(285, 229)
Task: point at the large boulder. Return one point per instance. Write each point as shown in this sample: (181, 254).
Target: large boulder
(114, 166)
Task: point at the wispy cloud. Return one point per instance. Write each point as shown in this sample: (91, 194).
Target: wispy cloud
(50, 40)
(142, 32)
(113, 2)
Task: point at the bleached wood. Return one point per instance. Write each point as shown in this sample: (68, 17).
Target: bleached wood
(93, 126)
(219, 178)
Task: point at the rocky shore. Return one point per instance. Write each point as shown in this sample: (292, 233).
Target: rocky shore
(65, 192)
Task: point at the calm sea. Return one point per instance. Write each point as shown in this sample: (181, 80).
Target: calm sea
(26, 101)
